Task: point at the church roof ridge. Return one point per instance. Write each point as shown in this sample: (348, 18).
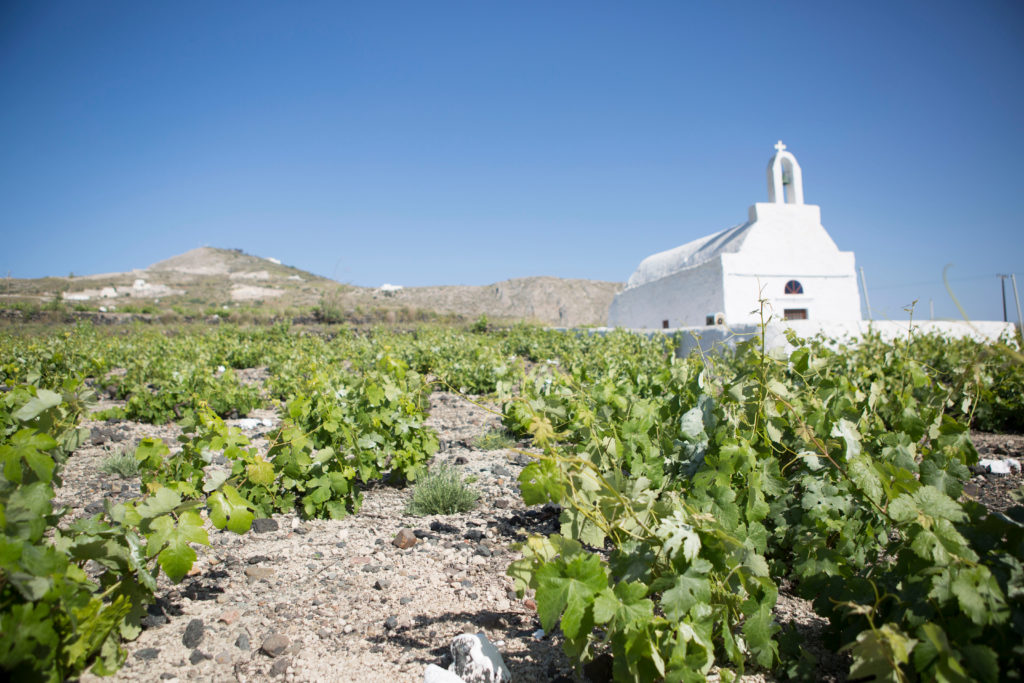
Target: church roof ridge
(693, 253)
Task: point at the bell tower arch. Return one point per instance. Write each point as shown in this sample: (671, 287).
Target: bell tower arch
(785, 181)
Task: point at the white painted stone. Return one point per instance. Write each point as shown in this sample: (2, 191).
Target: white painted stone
(273, 260)
(476, 660)
(995, 466)
(724, 276)
(435, 674)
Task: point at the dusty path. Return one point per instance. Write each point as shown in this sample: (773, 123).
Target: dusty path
(349, 605)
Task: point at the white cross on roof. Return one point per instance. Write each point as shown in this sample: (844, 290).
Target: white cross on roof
(779, 146)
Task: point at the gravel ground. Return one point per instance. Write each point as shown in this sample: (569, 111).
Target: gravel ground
(336, 600)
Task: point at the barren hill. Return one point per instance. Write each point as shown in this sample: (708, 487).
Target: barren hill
(208, 279)
(548, 300)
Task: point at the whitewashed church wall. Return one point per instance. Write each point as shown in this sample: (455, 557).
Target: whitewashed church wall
(829, 284)
(779, 230)
(685, 298)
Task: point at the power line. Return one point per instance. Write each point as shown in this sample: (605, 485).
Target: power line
(934, 282)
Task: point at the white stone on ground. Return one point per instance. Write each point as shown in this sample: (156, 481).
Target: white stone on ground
(999, 466)
(435, 674)
(477, 660)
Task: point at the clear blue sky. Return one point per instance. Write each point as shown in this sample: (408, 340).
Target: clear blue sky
(465, 143)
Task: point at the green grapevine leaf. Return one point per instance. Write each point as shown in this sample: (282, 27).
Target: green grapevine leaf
(151, 452)
(688, 589)
(31, 446)
(229, 509)
(176, 556)
(541, 482)
(43, 401)
(847, 431)
(678, 537)
(162, 501)
(259, 471)
(935, 659)
(878, 654)
(570, 587)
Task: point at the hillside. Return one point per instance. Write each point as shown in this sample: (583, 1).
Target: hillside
(231, 283)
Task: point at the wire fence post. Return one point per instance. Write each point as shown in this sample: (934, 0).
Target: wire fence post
(864, 286)
(1016, 299)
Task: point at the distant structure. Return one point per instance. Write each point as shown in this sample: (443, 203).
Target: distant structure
(781, 254)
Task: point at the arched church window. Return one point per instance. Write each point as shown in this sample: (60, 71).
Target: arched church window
(794, 287)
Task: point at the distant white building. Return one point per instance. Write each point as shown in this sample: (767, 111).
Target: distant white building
(781, 254)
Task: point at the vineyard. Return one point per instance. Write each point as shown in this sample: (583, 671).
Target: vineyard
(690, 493)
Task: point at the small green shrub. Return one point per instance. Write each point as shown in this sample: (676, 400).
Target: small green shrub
(480, 326)
(122, 463)
(442, 492)
(113, 413)
(330, 309)
(494, 440)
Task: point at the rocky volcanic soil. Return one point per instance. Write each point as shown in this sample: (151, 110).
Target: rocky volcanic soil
(337, 600)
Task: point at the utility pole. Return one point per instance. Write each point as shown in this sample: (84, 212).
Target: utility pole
(1002, 283)
(864, 286)
(1016, 299)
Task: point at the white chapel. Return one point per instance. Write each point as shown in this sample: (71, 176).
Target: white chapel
(781, 254)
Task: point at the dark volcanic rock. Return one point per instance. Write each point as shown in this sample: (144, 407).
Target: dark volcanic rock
(264, 525)
(193, 634)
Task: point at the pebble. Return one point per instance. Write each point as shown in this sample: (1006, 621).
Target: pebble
(255, 574)
(242, 641)
(275, 644)
(280, 667)
(229, 617)
(404, 539)
(197, 656)
(193, 634)
(264, 525)
(147, 653)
